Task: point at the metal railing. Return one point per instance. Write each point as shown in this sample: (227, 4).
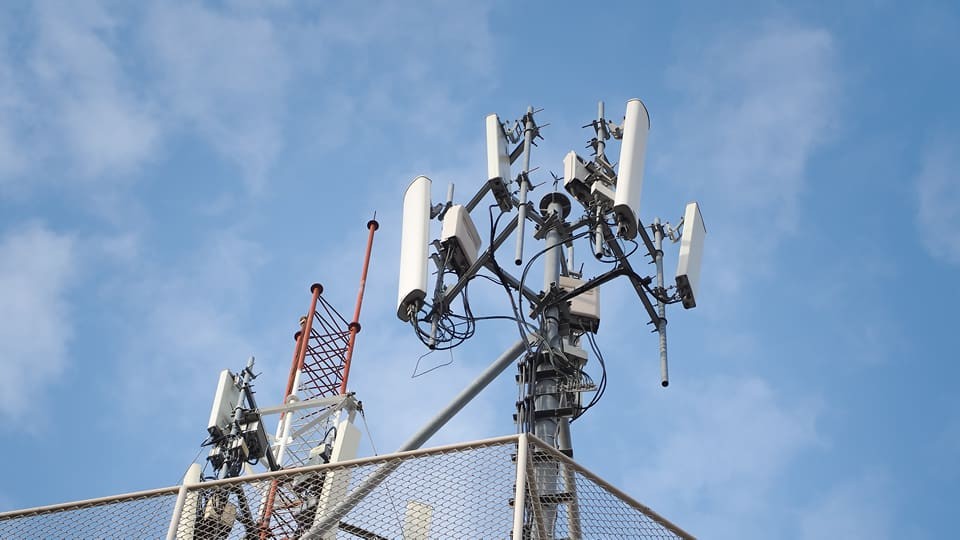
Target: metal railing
(507, 487)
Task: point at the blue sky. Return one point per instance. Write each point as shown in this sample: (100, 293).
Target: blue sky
(173, 176)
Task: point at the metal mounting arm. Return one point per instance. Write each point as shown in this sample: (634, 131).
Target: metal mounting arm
(635, 278)
(484, 260)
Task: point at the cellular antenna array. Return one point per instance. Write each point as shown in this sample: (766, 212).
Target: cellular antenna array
(564, 313)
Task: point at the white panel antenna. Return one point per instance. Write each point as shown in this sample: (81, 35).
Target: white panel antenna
(459, 227)
(691, 254)
(585, 307)
(225, 400)
(633, 149)
(415, 238)
(498, 160)
(575, 177)
(603, 194)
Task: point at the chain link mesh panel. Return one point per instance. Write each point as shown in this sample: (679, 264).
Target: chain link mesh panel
(456, 493)
(308, 428)
(134, 516)
(564, 501)
(463, 491)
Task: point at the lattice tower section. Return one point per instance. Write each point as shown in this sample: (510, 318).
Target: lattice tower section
(320, 352)
(320, 376)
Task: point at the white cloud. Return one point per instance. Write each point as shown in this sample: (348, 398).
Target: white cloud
(723, 444)
(67, 100)
(36, 266)
(108, 134)
(81, 97)
(83, 92)
(755, 106)
(225, 75)
(414, 68)
(855, 509)
(938, 194)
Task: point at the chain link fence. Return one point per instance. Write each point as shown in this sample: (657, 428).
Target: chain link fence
(136, 515)
(470, 490)
(564, 500)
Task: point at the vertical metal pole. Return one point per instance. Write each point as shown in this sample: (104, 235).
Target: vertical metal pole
(372, 226)
(573, 505)
(519, 496)
(602, 134)
(522, 211)
(601, 129)
(546, 397)
(547, 427)
(565, 445)
(177, 512)
(661, 307)
(564, 442)
(598, 235)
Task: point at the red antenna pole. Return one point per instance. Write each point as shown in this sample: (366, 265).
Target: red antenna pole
(302, 340)
(296, 358)
(372, 226)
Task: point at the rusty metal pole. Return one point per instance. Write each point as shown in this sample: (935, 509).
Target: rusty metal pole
(296, 358)
(372, 226)
(316, 289)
